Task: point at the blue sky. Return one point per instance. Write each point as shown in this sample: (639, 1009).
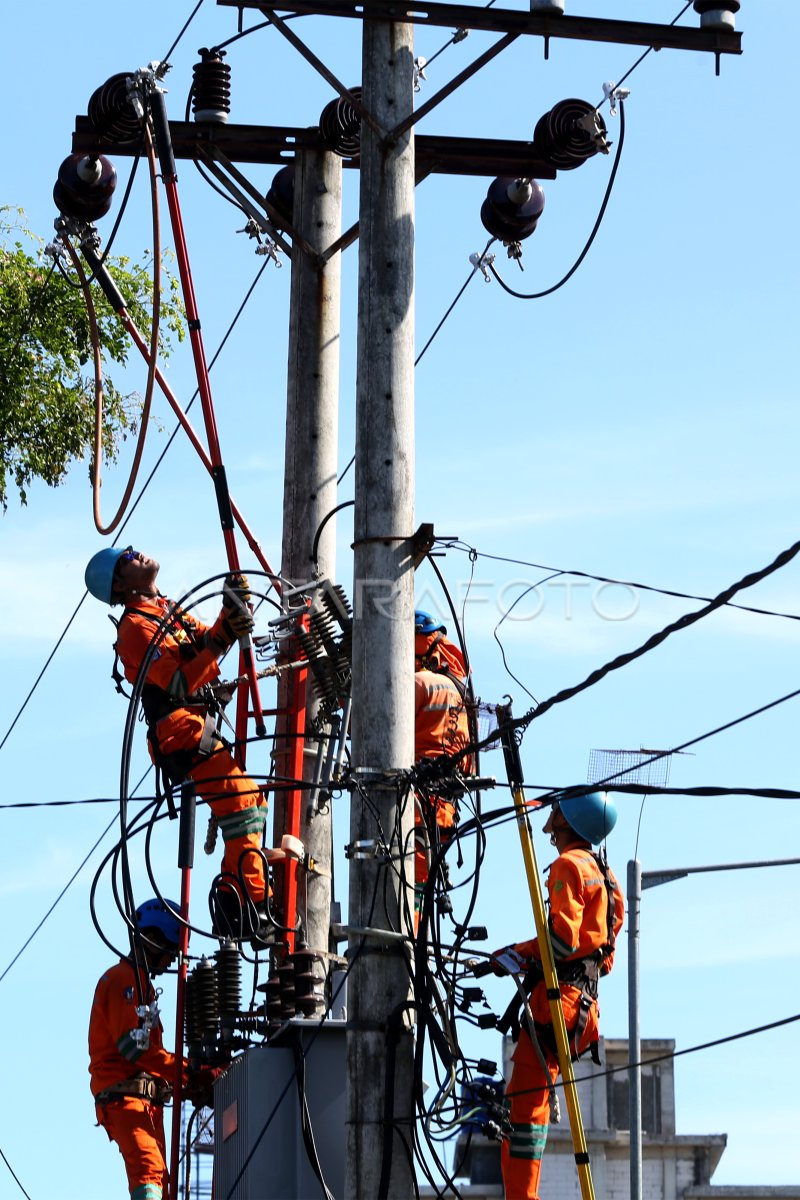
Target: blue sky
(641, 424)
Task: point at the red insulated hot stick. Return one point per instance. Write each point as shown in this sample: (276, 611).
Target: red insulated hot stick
(170, 178)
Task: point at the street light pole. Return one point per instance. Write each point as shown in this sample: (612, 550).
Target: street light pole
(638, 880)
(634, 1035)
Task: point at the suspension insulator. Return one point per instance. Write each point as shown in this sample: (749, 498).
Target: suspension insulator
(309, 645)
(281, 196)
(229, 978)
(272, 1004)
(571, 132)
(336, 601)
(192, 1026)
(286, 977)
(340, 126)
(717, 14)
(323, 629)
(308, 982)
(85, 186)
(206, 995)
(512, 208)
(211, 87)
(113, 110)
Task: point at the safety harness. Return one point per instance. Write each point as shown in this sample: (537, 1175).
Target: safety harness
(583, 973)
(157, 704)
(143, 1086)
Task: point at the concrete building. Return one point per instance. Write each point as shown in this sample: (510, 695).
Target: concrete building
(674, 1166)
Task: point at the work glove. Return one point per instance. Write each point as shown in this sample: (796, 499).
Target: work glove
(235, 621)
(235, 592)
(200, 1088)
(508, 961)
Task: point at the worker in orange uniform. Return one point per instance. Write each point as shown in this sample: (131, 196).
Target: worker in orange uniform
(131, 1072)
(586, 913)
(441, 727)
(180, 712)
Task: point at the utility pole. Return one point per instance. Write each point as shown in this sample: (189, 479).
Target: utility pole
(380, 1043)
(380, 1029)
(309, 490)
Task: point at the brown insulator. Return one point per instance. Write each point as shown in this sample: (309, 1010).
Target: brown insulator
(570, 133)
(113, 112)
(340, 126)
(211, 87)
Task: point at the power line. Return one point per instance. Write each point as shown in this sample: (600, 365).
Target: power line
(731, 1037)
(643, 587)
(14, 1175)
(67, 885)
(656, 639)
(188, 22)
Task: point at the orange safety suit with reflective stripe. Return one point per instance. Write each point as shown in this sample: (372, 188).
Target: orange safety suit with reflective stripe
(134, 1123)
(182, 662)
(441, 727)
(579, 928)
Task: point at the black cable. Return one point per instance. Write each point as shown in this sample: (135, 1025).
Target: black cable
(656, 639)
(459, 294)
(324, 522)
(731, 1037)
(643, 56)
(136, 502)
(188, 22)
(592, 235)
(61, 894)
(507, 614)
(14, 1175)
(465, 548)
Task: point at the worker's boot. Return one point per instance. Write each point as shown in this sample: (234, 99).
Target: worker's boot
(229, 915)
(265, 934)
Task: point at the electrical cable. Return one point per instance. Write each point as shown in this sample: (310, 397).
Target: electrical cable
(14, 1175)
(458, 296)
(62, 893)
(656, 639)
(642, 57)
(136, 502)
(595, 228)
(656, 1058)
(464, 547)
(188, 22)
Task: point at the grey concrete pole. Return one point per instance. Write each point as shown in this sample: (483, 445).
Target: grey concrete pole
(380, 1036)
(634, 1036)
(309, 490)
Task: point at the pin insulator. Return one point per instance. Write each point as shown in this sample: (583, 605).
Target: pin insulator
(211, 87)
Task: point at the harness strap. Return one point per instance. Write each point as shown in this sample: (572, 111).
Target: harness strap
(145, 1087)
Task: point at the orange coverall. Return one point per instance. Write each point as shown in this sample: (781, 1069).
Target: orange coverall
(578, 922)
(181, 664)
(441, 727)
(134, 1123)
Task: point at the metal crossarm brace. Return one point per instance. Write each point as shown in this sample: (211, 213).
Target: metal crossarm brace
(463, 16)
(434, 153)
(514, 769)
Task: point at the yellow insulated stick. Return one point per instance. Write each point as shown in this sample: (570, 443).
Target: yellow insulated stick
(514, 768)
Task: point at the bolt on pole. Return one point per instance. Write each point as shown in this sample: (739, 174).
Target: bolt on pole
(380, 1045)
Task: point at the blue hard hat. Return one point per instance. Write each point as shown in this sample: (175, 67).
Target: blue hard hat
(592, 815)
(99, 574)
(425, 624)
(155, 914)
